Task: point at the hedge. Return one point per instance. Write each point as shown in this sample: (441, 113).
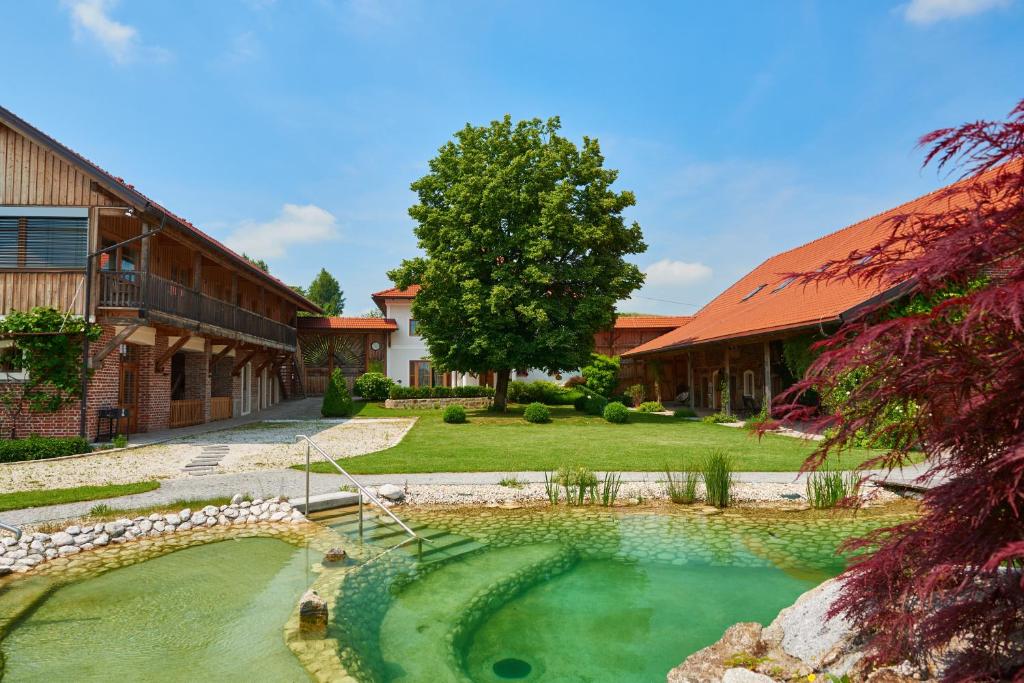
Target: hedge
(374, 386)
(400, 392)
(42, 448)
(616, 413)
(537, 413)
(454, 415)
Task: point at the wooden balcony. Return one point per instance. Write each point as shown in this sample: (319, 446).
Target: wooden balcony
(150, 293)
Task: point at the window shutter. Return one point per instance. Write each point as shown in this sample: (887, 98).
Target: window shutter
(43, 241)
(9, 241)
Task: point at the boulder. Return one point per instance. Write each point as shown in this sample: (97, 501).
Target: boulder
(391, 492)
(335, 555)
(211, 510)
(236, 499)
(145, 526)
(66, 550)
(738, 675)
(185, 514)
(172, 519)
(312, 615)
(114, 529)
(74, 530)
(198, 519)
(708, 664)
(102, 540)
(62, 538)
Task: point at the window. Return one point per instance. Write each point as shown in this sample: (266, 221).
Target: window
(782, 285)
(753, 292)
(43, 237)
(748, 383)
(421, 374)
(10, 363)
(413, 328)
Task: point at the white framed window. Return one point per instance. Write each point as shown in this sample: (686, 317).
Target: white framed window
(748, 383)
(10, 363)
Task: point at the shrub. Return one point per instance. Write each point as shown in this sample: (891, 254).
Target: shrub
(42, 448)
(454, 415)
(716, 469)
(374, 386)
(540, 391)
(594, 405)
(827, 487)
(683, 490)
(756, 422)
(119, 441)
(337, 401)
(580, 403)
(717, 418)
(399, 392)
(601, 374)
(537, 413)
(651, 407)
(636, 394)
(684, 412)
(616, 413)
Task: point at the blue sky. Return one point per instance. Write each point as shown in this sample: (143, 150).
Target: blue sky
(292, 129)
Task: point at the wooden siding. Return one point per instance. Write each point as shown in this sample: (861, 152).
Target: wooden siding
(21, 290)
(32, 175)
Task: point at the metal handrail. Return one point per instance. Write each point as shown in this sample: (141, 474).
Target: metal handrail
(13, 529)
(362, 489)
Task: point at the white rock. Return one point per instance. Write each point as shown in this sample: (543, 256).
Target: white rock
(297, 516)
(391, 492)
(244, 504)
(184, 526)
(114, 529)
(119, 540)
(172, 519)
(62, 538)
(87, 546)
(257, 501)
(231, 513)
(156, 516)
(17, 554)
(273, 507)
(102, 540)
(74, 530)
(159, 525)
(6, 561)
(36, 546)
(236, 499)
(221, 519)
(145, 526)
(285, 507)
(211, 510)
(65, 550)
(82, 539)
(211, 521)
(185, 514)
(738, 675)
(125, 522)
(806, 633)
(264, 516)
(50, 553)
(41, 537)
(10, 542)
(278, 516)
(198, 519)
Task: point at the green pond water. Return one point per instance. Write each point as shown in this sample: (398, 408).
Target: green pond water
(205, 613)
(576, 595)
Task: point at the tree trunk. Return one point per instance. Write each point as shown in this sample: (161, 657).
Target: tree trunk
(501, 388)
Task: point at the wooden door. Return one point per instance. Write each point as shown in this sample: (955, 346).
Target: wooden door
(128, 390)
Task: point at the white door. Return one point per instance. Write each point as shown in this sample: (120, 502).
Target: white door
(246, 388)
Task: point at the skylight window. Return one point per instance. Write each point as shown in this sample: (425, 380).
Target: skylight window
(864, 261)
(753, 292)
(785, 283)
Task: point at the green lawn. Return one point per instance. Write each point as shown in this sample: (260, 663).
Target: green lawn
(31, 499)
(492, 442)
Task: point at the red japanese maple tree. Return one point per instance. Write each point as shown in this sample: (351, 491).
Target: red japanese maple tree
(949, 581)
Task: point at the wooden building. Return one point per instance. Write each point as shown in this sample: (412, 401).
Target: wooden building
(736, 341)
(192, 332)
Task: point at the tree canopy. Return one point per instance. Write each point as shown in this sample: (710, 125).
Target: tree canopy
(325, 292)
(524, 243)
(947, 581)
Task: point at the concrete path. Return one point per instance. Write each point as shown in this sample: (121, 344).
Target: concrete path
(291, 483)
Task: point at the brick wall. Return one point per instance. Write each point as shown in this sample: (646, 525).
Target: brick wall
(154, 388)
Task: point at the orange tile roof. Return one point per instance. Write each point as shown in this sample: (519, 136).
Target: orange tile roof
(737, 313)
(409, 292)
(649, 322)
(352, 324)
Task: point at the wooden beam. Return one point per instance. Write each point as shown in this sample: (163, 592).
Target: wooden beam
(240, 363)
(265, 363)
(689, 379)
(118, 339)
(171, 350)
(768, 378)
(220, 354)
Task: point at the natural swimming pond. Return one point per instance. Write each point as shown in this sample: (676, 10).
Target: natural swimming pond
(574, 594)
(209, 612)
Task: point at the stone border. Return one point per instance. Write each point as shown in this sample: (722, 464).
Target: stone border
(423, 403)
(37, 548)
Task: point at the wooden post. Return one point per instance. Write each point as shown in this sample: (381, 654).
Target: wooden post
(689, 378)
(768, 378)
(144, 261)
(727, 382)
(197, 271)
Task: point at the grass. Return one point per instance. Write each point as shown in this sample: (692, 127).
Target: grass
(31, 499)
(716, 470)
(504, 442)
(827, 487)
(104, 511)
(682, 489)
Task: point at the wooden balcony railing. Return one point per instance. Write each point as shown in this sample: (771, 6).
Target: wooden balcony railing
(186, 413)
(152, 292)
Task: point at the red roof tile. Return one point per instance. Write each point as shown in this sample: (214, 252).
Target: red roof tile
(762, 302)
(409, 292)
(119, 186)
(352, 324)
(650, 322)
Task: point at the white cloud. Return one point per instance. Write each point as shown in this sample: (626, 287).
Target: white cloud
(931, 11)
(669, 273)
(91, 20)
(294, 225)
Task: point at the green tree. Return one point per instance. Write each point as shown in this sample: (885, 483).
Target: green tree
(45, 350)
(337, 402)
(601, 374)
(524, 243)
(325, 292)
(258, 262)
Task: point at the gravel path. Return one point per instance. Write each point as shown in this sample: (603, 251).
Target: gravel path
(253, 447)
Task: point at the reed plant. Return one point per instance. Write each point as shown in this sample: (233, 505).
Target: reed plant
(827, 487)
(610, 488)
(682, 489)
(716, 470)
(551, 488)
(577, 482)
